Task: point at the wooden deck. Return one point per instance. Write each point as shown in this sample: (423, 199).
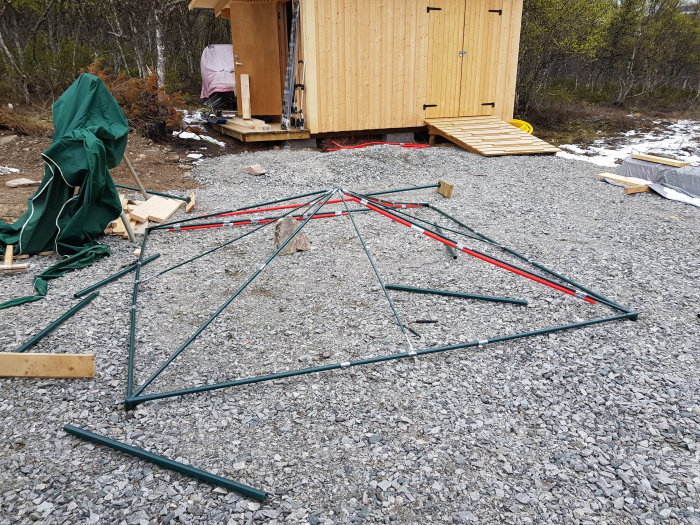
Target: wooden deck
(488, 136)
(246, 134)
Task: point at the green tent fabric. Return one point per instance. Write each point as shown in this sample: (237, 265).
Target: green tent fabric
(90, 135)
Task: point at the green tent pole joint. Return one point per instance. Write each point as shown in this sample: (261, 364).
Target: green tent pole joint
(164, 462)
(135, 400)
(168, 195)
(114, 277)
(228, 301)
(456, 294)
(58, 322)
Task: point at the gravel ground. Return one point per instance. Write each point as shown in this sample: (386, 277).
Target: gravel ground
(597, 425)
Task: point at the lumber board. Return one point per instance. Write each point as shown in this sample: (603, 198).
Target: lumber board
(157, 208)
(245, 96)
(190, 205)
(253, 123)
(13, 364)
(245, 134)
(661, 160)
(9, 254)
(632, 184)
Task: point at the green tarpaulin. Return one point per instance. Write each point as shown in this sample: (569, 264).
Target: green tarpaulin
(76, 198)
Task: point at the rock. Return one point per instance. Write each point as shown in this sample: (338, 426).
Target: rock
(283, 230)
(255, 169)
(7, 139)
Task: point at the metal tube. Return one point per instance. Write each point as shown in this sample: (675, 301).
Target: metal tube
(456, 294)
(143, 191)
(213, 316)
(391, 357)
(404, 189)
(520, 256)
(127, 226)
(450, 250)
(114, 277)
(486, 258)
(58, 322)
(151, 192)
(164, 462)
(212, 250)
(219, 213)
(132, 321)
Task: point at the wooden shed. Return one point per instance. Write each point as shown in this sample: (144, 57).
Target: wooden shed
(375, 65)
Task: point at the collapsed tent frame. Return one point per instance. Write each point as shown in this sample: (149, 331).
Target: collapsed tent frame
(391, 210)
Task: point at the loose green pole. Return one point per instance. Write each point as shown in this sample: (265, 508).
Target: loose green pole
(213, 316)
(161, 461)
(292, 373)
(132, 321)
(114, 276)
(58, 322)
(186, 199)
(404, 189)
(456, 294)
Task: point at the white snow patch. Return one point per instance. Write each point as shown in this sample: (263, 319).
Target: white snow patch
(5, 170)
(674, 140)
(194, 155)
(197, 136)
(192, 117)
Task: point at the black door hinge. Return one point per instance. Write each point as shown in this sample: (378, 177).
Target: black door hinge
(426, 106)
(492, 104)
(499, 11)
(428, 9)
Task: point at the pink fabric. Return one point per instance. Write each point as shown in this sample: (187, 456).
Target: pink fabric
(217, 69)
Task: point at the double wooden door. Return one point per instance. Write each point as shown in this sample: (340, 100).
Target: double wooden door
(468, 46)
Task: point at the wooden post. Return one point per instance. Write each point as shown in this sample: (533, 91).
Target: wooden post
(245, 97)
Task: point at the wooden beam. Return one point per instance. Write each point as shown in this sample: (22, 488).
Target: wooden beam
(13, 364)
(9, 254)
(245, 97)
(632, 184)
(661, 160)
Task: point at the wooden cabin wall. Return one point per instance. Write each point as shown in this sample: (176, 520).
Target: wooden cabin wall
(366, 63)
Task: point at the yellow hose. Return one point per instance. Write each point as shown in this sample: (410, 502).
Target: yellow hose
(521, 124)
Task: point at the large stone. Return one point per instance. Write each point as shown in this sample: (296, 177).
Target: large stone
(283, 230)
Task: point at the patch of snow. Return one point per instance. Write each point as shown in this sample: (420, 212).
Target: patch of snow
(192, 117)
(674, 140)
(197, 136)
(194, 155)
(5, 170)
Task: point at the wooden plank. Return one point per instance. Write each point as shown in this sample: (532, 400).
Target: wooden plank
(253, 123)
(9, 254)
(157, 208)
(190, 205)
(661, 160)
(627, 181)
(245, 97)
(13, 364)
(251, 135)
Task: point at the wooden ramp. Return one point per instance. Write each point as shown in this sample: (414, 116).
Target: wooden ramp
(246, 134)
(488, 136)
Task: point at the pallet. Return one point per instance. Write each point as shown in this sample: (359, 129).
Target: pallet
(488, 136)
(246, 134)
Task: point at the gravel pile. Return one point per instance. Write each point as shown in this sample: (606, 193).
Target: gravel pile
(597, 425)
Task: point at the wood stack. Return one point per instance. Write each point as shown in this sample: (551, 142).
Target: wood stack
(156, 208)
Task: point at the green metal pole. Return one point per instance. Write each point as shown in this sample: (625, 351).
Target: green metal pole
(218, 213)
(456, 294)
(404, 189)
(228, 301)
(114, 277)
(596, 295)
(450, 250)
(371, 360)
(132, 320)
(164, 462)
(58, 322)
(216, 248)
(186, 199)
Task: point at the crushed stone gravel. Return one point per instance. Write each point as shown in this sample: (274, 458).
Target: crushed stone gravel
(597, 425)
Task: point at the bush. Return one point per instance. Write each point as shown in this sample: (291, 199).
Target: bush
(145, 105)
